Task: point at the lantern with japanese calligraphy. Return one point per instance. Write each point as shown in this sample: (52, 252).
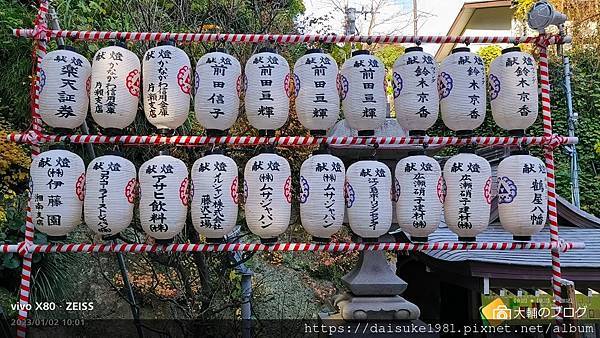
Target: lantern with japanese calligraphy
(218, 84)
(419, 195)
(166, 72)
(462, 91)
(214, 192)
(267, 94)
(468, 194)
(514, 90)
(115, 87)
(268, 194)
(163, 183)
(110, 193)
(368, 199)
(57, 192)
(317, 97)
(522, 195)
(64, 88)
(362, 87)
(416, 99)
(322, 195)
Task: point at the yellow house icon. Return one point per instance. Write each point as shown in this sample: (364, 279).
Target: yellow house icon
(495, 313)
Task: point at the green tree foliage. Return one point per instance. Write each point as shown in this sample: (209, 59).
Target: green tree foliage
(488, 54)
(389, 54)
(586, 102)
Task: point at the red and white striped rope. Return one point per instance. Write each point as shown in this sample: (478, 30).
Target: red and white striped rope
(549, 159)
(282, 38)
(332, 247)
(36, 129)
(551, 141)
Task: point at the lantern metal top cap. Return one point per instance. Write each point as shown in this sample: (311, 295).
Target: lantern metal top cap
(267, 50)
(461, 49)
(361, 52)
(466, 150)
(219, 50)
(314, 51)
(214, 151)
(416, 152)
(519, 152)
(118, 43)
(114, 153)
(169, 42)
(511, 49)
(66, 47)
(413, 49)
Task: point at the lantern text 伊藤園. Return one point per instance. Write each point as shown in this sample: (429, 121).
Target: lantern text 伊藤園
(57, 192)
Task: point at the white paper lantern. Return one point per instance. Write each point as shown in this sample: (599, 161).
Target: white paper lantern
(167, 86)
(163, 197)
(369, 198)
(322, 178)
(317, 96)
(268, 192)
(267, 84)
(214, 190)
(218, 85)
(362, 87)
(462, 90)
(57, 192)
(115, 87)
(514, 90)
(64, 88)
(468, 195)
(522, 195)
(110, 194)
(416, 99)
(420, 195)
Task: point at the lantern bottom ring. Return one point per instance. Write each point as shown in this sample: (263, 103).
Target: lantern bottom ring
(318, 132)
(464, 133)
(165, 131)
(113, 131)
(321, 239)
(366, 132)
(219, 240)
(522, 238)
(167, 241)
(467, 239)
(516, 132)
(110, 237)
(56, 238)
(421, 239)
(417, 133)
(266, 132)
(268, 241)
(216, 132)
(63, 131)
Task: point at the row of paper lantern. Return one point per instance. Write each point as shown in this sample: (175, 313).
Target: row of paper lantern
(111, 87)
(61, 187)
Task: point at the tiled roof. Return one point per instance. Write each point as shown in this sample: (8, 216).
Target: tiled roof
(580, 258)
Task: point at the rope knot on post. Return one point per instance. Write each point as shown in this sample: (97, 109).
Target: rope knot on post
(24, 248)
(33, 137)
(543, 41)
(564, 246)
(554, 141)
